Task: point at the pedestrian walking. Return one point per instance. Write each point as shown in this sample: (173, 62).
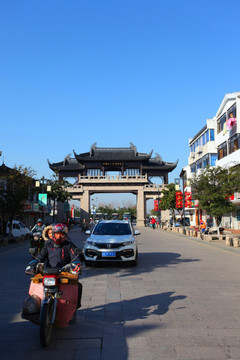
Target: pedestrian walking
(153, 222)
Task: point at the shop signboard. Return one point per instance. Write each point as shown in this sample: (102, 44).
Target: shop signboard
(42, 199)
(35, 207)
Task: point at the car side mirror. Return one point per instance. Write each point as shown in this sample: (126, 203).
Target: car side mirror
(137, 232)
(88, 232)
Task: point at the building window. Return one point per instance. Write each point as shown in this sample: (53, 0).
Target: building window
(94, 172)
(213, 159)
(212, 138)
(207, 136)
(204, 136)
(220, 123)
(234, 143)
(199, 164)
(231, 111)
(131, 172)
(193, 168)
(222, 150)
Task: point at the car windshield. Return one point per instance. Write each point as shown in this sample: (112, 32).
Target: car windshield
(112, 229)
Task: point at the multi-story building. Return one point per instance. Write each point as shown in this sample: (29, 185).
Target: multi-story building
(228, 131)
(203, 153)
(216, 144)
(228, 147)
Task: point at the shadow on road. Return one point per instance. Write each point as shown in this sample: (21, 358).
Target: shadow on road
(147, 262)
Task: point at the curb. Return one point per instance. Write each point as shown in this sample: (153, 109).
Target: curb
(231, 243)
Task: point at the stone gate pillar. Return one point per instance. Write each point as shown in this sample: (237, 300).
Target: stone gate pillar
(141, 204)
(85, 205)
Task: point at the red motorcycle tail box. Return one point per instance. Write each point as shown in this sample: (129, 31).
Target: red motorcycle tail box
(67, 303)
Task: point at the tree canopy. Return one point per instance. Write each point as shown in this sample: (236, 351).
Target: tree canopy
(110, 210)
(58, 192)
(168, 199)
(14, 189)
(213, 188)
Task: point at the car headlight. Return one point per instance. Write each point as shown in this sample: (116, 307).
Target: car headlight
(90, 242)
(129, 243)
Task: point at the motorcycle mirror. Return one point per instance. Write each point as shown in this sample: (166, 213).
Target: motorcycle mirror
(32, 251)
(78, 251)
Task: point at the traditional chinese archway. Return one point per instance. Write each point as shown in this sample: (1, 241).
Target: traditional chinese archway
(92, 173)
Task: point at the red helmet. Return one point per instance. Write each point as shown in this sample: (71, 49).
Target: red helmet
(62, 229)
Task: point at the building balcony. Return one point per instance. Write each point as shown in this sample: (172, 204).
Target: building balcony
(199, 149)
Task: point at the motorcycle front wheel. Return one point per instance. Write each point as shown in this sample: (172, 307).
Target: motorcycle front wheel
(45, 324)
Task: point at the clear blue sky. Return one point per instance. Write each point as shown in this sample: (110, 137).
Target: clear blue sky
(76, 72)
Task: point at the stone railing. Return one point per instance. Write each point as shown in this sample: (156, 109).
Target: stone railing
(117, 178)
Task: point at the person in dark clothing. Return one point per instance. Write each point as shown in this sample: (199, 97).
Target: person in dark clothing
(59, 252)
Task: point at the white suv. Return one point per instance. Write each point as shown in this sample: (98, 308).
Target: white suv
(111, 240)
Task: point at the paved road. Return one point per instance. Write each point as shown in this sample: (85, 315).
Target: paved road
(182, 301)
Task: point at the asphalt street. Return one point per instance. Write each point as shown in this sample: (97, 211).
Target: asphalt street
(182, 301)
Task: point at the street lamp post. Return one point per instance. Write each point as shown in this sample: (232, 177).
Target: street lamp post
(41, 183)
(93, 208)
(159, 211)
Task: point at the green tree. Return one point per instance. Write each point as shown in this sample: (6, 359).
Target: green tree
(168, 199)
(132, 210)
(106, 210)
(15, 187)
(121, 210)
(58, 192)
(234, 178)
(212, 189)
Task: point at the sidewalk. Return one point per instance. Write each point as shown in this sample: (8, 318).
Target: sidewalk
(220, 244)
(237, 232)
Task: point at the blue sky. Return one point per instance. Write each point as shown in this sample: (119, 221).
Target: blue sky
(113, 72)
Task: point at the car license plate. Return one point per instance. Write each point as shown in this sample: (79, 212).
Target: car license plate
(108, 254)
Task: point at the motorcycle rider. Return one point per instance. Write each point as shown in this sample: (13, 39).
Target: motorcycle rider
(38, 227)
(58, 252)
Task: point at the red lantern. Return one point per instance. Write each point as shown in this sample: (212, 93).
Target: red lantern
(156, 205)
(179, 200)
(188, 199)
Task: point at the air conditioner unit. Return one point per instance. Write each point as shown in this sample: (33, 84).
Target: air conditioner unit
(199, 149)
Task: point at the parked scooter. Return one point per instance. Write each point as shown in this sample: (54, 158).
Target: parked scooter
(52, 301)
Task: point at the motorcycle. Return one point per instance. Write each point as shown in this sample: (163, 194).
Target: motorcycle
(52, 300)
(213, 230)
(37, 242)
